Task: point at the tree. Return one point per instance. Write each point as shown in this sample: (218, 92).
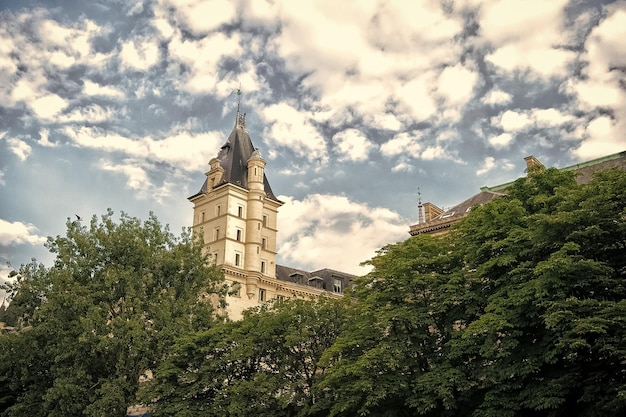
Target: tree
(549, 257)
(108, 310)
(390, 358)
(267, 364)
(519, 311)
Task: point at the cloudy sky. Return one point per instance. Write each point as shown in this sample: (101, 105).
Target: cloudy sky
(354, 104)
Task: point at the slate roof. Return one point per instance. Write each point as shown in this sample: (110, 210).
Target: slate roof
(584, 173)
(312, 279)
(233, 157)
(453, 215)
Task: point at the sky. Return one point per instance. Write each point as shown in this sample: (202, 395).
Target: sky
(355, 106)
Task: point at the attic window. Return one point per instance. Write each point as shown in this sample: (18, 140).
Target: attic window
(317, 282)
(297, 277)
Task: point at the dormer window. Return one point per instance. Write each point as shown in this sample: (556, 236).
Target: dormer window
(297, 277)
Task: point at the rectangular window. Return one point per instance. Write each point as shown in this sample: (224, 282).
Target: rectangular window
(337, 285)
(239, 235)
(218, 210)
(263, 267)
(261, 295)
(217, 233)
(263, 243)
(240, 211)
(237, 259)
(264, 220)
(202, 217)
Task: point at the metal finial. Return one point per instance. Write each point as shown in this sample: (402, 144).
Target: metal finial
(420, 207)
(238, 92)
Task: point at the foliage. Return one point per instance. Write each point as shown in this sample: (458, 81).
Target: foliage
(266, 364)
(109, 309)
(519, 311)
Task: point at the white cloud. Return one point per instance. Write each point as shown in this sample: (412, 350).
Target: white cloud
(313, 232)
(456, 84)
(550, 117)
(44, 139)
(501, 140)
(203, 57)
(91, 113)
(525, 34)
(513, 121)
(198, 16)
(601, 139)
(18, 233)
(19, 148)
(181, 149)
(94, 89)
(488, 164)
(602, 85)
(136, 176)
(402, 165)
(403, 144)
(434, 152)
(362, 60)
(290, 128)
(139, 54)
(48, 106)
(2, 178)
(352, 145)
(497, 97)
(386, 121)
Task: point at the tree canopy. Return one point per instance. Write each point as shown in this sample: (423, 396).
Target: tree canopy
(107, 311)
(519, 311)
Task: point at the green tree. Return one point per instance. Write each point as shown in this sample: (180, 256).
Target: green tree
(549, 259)
(267, 364)
(390, 358)
(519, 311)
(107, 311)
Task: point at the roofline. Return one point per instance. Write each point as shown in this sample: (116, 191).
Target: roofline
(199, 193)
(596, 161)
(574, 167)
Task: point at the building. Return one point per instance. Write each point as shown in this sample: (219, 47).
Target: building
(236, 213)
(433, 220)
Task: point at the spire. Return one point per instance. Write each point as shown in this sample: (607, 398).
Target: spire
(240, 120)
(420, 207)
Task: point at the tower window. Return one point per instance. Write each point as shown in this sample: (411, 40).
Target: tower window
(264, 220)
(217, 233)
(263, 243)
(202, 217)
(240, 211)
(218, 210)
(237, 259)
(239, 235)
(263, 267)
(262, 295)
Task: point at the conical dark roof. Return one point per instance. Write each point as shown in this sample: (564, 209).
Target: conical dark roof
(233, 157)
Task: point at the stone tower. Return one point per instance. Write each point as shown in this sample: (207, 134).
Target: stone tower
(236, 213)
